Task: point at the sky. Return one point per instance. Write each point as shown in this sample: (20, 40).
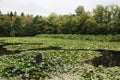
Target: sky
(45, 7)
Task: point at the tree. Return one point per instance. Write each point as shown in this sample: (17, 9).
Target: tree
(82, 19)
(90, 26)
(64, 24)
(15, 13)
(18, 27)
(114, 27)
(79, 10)
(5, 25)
(0, 12)
(106, 15)
(52, 19)
(22, 14)
(38, 25)
(28, 28)
(11, 14)
(99, 13)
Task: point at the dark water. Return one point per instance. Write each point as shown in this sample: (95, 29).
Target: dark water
(4, 51)
(109, 58)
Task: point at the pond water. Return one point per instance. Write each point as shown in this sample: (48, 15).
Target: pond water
(108, 58)
(4, 51)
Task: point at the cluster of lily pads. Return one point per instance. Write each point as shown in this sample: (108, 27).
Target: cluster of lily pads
(63, 59)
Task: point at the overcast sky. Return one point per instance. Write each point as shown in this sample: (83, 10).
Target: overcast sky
(45, 7)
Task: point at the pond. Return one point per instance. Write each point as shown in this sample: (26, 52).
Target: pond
(108, 58)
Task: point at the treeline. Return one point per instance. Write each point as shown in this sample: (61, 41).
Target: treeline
(102, 20)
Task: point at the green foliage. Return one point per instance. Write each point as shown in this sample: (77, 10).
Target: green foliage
(102, 20)
(109, 38)
(66, 63)
(5, 25)
(80, 10)
(90, 26)
(113, 26)
(17, 28)
(99, 13)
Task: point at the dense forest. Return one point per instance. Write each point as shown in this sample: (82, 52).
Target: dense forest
(101, 20)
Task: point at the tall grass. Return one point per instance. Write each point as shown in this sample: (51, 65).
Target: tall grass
(110, 38)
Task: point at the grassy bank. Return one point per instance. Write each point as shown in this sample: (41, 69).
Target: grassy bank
(110, 38)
